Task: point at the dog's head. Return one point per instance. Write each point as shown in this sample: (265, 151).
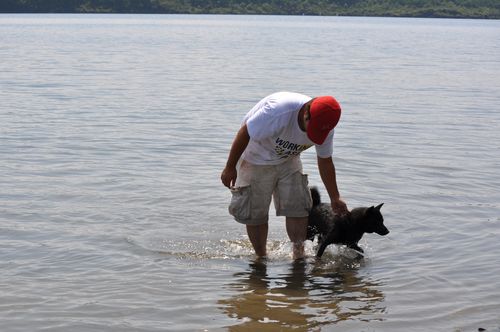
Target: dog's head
(375, 221)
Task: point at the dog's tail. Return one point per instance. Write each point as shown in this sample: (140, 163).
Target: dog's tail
(315, 196)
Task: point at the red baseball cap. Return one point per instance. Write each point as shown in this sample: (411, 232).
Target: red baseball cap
(325, 114)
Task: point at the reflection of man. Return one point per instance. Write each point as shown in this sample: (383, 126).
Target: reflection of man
(299, 298)
(263, 305)
(269, 142)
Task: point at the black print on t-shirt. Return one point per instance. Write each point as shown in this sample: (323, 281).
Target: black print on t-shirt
(285, 149)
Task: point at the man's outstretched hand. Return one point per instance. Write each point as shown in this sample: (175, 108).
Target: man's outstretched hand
(339, 207)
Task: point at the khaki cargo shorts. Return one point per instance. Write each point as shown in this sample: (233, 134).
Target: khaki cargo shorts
(257, 184)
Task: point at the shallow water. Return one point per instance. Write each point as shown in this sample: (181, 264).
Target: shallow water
(114, 131)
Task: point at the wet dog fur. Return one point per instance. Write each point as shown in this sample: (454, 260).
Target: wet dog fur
(346, 230)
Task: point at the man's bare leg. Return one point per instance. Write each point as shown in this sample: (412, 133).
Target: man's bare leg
(297, 232)
(258, 237)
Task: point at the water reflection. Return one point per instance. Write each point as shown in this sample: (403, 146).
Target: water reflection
(304, 295)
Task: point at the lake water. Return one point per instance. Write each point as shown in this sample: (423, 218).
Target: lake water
(114, 130)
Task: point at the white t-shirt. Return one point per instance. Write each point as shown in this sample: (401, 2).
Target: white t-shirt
(275, 135)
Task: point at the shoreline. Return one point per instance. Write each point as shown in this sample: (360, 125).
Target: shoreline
(249, 14)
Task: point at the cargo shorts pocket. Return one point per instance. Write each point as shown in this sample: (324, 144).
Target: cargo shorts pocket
(241, 203)
(293, 198)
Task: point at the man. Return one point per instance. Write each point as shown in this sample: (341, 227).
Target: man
(269, 142)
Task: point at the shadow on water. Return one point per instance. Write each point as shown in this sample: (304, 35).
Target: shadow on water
(304, 295)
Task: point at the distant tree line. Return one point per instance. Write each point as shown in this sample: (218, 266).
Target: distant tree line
(408, 8)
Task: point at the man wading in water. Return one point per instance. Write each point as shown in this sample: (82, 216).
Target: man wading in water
(269, 143)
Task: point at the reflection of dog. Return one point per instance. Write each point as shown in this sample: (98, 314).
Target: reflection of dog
(347, 230)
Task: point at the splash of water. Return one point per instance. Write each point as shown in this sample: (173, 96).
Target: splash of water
(232, 249)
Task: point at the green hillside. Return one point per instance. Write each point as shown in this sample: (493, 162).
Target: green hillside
(411, 8)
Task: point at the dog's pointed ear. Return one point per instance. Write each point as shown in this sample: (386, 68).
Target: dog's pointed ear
(370, 210)
(379, 206)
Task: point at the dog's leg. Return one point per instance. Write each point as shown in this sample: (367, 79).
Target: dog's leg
(321, 249)
(325, 241)
(355, 247)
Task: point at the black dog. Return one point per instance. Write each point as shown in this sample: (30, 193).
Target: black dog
(347, 230)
